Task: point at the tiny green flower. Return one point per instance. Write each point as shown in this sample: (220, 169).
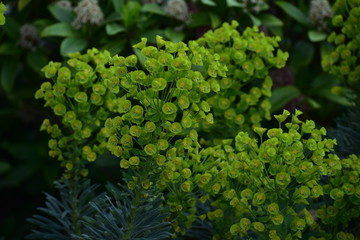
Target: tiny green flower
(134, 160)
(124, 163)
(60, 109)
(158, 84)
(169, 108)
(150, 149)
(81, 97)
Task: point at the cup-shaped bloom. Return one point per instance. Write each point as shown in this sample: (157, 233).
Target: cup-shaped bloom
(283, 178)
(258, 199)
(204, 87)
(99, 88)
(150, 51)
(258, 226)
(81, 97)
(348, 188)
(150, 149)
(124, 163)
(134, 160)
(76, 125)
(158, 84)
(336, 194)
(135, 131)
(181, 63)
(60, 109)
(183, 102)
(229, 194)
(146, 184)
(186, 173)
(160, 159)
(131, 60)
(175, 128)
(298, 224)
(149, 127)
(247, 194)
(137, 112)
(187, 121)
(235, 229)
(184, 84)
(169, 108)
(186, 186)
(245, 224)
(216, 188)
(91, 157)
(126, 140)
(273, 208)
(277, 219)
(317, 191)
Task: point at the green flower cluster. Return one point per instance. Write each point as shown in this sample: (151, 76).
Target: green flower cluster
(343, 60)
(269, 189)
(240, 101)
(106, 102)
(2, 10)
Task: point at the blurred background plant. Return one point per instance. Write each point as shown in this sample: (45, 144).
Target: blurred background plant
(37, 31)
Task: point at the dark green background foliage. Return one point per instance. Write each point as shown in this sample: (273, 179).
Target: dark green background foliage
(26, 170)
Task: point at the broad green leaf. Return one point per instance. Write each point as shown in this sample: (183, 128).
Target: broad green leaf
(293, 12)
(316, 36)
(153, 8)
(313, 103)
(61, 14)
(22, 4)
(208, 2)
(4, 166)
(8, 74)
(9, 48)
(36, 60)
(173, 35)
(114, 28)
(256, 21)
(200, 19)
(233, 3)
(270, 20)
(115, 46)
(282, 95)
(12, 28)
(61, 29)
(301, 55)
(71, 45)
(118, 6)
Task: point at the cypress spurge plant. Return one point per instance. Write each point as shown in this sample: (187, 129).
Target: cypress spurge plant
(154, 114)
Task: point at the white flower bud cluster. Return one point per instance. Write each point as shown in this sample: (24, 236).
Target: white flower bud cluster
(178, 9)
(65, 4)
(29, 37)
(152, 1)
(253, 5)
(88, 11)
(319, 13)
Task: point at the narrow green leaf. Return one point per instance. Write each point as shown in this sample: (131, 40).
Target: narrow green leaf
(282, 95)
(316, 36)
(208, 2)
(61, 29)
(293, 12)
(233, 3)
(22, 4)
(270, 20)
(61, 14)
(114, 28)
(8, 74)
(153, 8)
(256, 21)
(71, 45)
(301, 55)
(215, 20)
(313, 103)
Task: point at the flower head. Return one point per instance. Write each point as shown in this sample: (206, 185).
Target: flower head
(88, 11)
